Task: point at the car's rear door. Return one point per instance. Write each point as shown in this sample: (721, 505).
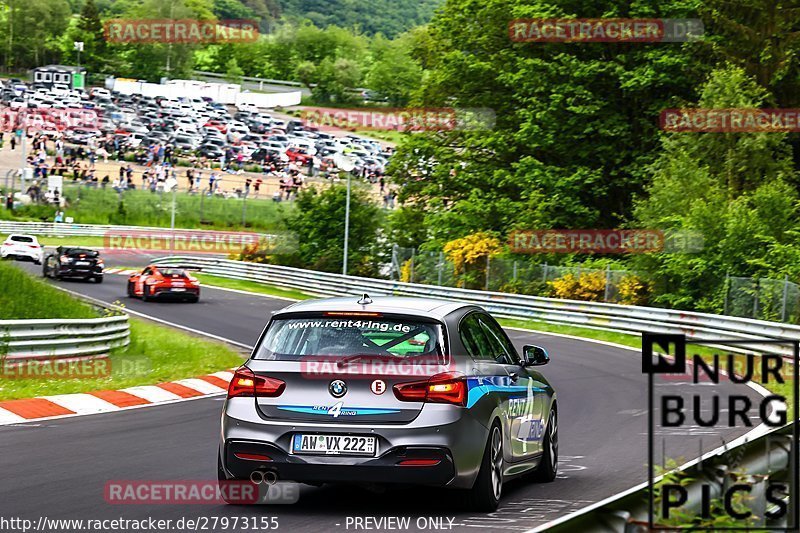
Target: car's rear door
(518, 392)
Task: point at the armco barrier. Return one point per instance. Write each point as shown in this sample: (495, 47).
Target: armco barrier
(86, 230)
(612, 317)
(765, 458)
(48, 338)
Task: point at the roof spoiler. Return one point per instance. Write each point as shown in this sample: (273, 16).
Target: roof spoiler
(191, 268)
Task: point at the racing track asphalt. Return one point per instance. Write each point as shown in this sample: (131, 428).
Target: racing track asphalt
(58, 468)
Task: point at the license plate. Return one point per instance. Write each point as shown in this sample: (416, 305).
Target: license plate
(175, 289)
(82, 263)
(333, 445)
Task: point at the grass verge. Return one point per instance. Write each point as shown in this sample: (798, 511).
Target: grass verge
(156, 354)
(23, 297)
(87, 241)
(251, 286)
(143, 208)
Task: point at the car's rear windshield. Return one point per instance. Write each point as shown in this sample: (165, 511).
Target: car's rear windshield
(21, 238)
(82, 251)
(179, 272)
(289, 339)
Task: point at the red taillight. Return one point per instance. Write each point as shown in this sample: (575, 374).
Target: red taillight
(246, 383)
(33, 245)
(419, 462)
(448, 387)
(253, 456)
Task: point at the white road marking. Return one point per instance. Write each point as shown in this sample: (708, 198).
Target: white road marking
(7, 417)
(152, 394)
(199, 385)
(82, 404)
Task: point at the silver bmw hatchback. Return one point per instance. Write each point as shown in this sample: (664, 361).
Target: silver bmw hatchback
(393, 390)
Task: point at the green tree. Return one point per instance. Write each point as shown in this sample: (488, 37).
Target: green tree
(576, 124)
(762, 37)
(153, 61)
(233, 72)
(318, 223)
(394, 73)
(389, 17)
(333, 78)
(31, 30)
(732, 188)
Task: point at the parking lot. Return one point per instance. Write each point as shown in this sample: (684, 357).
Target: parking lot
(141, 142)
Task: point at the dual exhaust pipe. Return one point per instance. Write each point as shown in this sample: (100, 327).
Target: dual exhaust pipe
(267, 477)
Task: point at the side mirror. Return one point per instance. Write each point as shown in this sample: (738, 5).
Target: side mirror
(533, 355)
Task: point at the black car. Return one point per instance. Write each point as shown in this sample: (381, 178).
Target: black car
(210, 151)
(69, 262)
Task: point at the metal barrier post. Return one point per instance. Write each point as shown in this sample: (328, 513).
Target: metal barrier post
(440, 266)
(785, 295)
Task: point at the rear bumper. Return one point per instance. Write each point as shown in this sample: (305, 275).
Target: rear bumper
(166, 293)
(449, 434)
(316, 469)
(22, 254)
(70, 272)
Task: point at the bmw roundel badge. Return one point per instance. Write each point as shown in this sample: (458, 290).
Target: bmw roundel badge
(337, 388)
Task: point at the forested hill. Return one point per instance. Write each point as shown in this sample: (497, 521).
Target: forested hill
(389, 17)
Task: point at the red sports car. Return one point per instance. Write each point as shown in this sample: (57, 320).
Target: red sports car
(164, 282)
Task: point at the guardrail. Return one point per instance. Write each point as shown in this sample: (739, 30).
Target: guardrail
(61, 229)
(764, 459)
(604, 316)
(61, 338)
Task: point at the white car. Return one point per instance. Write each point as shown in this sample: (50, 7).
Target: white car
(60, 90)
(22, 247)
(248, 108)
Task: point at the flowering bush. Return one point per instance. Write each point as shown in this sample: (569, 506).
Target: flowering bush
(589, 286)
(633, 290)
(468, 255)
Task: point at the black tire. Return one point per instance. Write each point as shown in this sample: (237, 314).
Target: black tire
(146, 293)
(45, 270)
(485, 494)
(220, 471)
(221, 479)
(131, 291)
(548, 466)
(194, 299)
(98, 279)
